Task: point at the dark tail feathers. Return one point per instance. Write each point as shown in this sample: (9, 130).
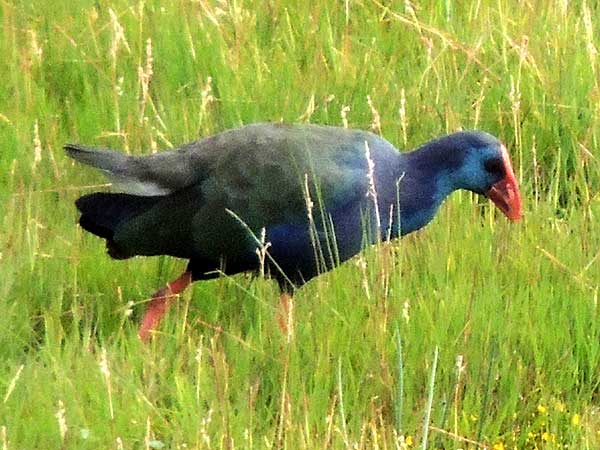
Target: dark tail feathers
(102, 213)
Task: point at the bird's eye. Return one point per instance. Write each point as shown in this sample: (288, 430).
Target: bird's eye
(494, 166)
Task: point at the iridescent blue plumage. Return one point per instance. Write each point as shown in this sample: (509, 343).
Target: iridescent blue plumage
(209, 200)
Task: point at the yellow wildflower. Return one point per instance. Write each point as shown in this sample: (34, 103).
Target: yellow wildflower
(499, 446)
(575, 420)
(548, 437)
(409, 441)
(542, 409)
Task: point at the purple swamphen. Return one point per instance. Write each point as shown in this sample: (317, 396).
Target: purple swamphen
(291, 200)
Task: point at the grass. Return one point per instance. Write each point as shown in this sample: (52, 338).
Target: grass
(508, 313)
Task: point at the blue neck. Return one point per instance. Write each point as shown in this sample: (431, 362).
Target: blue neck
(429, 177)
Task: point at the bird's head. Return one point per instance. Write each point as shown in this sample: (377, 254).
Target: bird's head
(486, 169)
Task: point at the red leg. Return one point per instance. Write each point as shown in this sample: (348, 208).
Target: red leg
(160, 303)
(286, 315)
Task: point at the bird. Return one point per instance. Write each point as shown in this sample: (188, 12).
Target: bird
(290, 201)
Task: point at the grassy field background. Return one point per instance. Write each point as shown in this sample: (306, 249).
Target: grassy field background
(473, 333)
